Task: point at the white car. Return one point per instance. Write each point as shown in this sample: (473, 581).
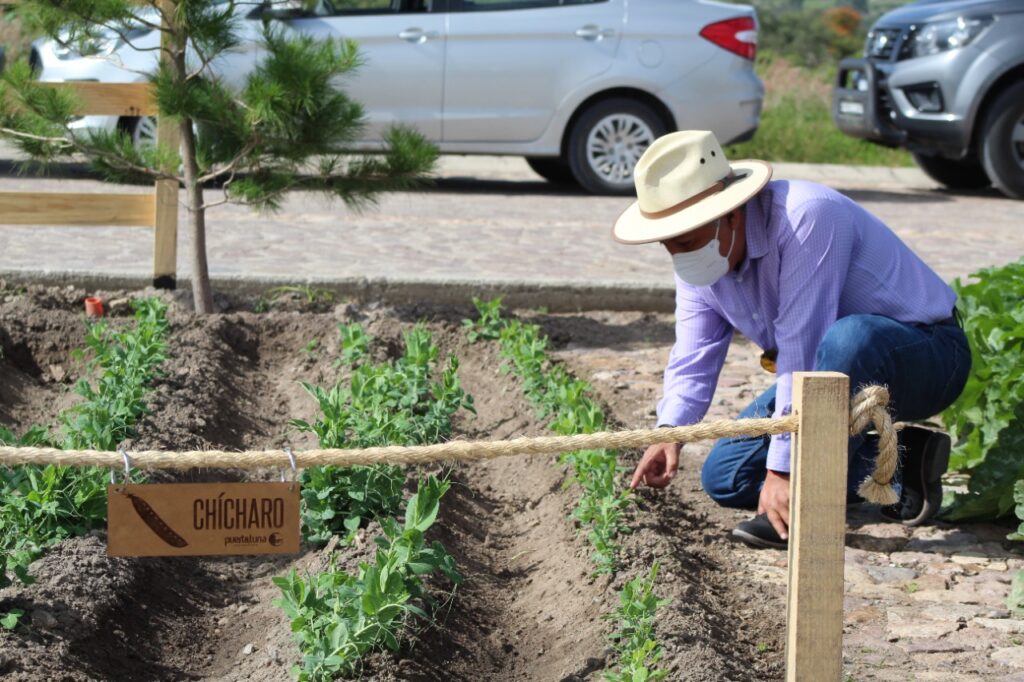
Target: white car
(578, 87)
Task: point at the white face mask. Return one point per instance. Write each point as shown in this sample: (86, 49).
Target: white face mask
(706, 265)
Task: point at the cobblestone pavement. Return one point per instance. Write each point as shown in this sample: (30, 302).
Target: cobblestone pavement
(491, 218)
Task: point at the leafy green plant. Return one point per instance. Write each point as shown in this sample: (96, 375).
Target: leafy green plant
(390, 403)
(488, 325)
(338, 617)
(126, 360)
(987, 421)
(44, 505)
(638, 651)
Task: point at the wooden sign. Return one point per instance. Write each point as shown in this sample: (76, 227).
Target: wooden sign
(199, 519)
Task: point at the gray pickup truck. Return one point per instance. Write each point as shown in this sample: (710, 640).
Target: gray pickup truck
(945, 80)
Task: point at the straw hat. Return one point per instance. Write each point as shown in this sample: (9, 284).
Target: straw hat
(683, 182)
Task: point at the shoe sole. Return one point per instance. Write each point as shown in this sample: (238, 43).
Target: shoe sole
(757, 541)
(936, 455)
(933, 462)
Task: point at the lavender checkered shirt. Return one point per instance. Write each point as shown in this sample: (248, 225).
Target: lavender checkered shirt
(813, 257)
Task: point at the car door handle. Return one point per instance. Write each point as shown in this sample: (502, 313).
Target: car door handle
(417, 35)
(592, 32)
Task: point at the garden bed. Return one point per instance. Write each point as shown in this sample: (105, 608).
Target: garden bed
(528, 607)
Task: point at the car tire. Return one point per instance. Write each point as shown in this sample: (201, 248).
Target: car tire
(966, 173)
(552, 169)
(1002, 142)
(607, 140)
(141, 128)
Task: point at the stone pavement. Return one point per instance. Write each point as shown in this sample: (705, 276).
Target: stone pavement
(490, 221)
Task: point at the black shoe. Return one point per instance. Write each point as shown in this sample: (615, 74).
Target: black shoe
(759, 532)
(925, 458)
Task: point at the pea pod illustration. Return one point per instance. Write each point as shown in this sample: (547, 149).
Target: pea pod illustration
(156, 524)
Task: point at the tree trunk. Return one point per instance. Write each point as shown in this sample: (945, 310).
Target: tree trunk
(202, 296)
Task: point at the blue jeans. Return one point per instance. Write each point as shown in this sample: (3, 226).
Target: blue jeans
(924, 366)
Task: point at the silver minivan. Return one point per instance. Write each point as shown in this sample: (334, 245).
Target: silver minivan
(578, 87)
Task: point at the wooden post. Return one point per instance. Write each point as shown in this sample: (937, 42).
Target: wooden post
(165, 222)
(817, 528)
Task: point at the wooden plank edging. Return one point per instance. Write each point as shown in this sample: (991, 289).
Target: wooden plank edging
(88, 209)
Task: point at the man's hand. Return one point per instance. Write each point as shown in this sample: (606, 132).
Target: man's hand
(774, 501)
(657, 466)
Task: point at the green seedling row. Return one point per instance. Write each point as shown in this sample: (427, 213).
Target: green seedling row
(564, 400)
(44, 505)
(388, 403)
(339, 617)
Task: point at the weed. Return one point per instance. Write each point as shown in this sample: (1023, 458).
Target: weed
(911, 587)
(763, 647)
(312, 295)
(310, 349)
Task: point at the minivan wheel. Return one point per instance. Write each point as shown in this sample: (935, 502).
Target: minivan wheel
(966, 173)
(1002, 142)
(607, 141)
(552, 169)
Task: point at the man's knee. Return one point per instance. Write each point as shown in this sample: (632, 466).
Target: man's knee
(727, 478)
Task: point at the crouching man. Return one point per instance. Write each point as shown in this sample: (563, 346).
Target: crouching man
(818, 283)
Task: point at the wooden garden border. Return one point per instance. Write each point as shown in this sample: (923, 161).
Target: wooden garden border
(817, 528)
(157, 210)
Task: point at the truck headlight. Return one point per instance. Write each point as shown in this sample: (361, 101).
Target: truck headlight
(942, 36)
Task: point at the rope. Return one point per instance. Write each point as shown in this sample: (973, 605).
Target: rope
(868, 406)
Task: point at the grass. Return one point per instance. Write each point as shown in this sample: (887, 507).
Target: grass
(796, 124)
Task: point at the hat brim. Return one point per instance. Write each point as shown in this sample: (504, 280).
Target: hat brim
(633, 227)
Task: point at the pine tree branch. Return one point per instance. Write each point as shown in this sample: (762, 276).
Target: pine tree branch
(61, 141)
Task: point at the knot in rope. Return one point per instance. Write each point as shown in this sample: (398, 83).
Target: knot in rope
(868, 408)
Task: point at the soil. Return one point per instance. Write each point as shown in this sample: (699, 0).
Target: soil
(528, 608)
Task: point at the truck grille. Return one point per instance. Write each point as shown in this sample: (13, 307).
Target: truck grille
(882, 43)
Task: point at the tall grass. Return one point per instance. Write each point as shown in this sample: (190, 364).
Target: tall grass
(796, 124)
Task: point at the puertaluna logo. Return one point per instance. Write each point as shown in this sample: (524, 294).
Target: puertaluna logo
(250, 540)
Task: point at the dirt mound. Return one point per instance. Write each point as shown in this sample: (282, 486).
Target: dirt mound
(528, 608)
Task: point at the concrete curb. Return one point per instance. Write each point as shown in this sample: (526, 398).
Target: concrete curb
(560, 296)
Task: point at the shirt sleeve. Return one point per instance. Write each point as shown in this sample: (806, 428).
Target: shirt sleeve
(697, 357)
(815, 252)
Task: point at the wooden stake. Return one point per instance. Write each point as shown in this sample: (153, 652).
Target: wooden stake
(165, 222)
(817, 528)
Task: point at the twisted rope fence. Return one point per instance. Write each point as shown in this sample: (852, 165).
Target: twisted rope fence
(868, 408)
